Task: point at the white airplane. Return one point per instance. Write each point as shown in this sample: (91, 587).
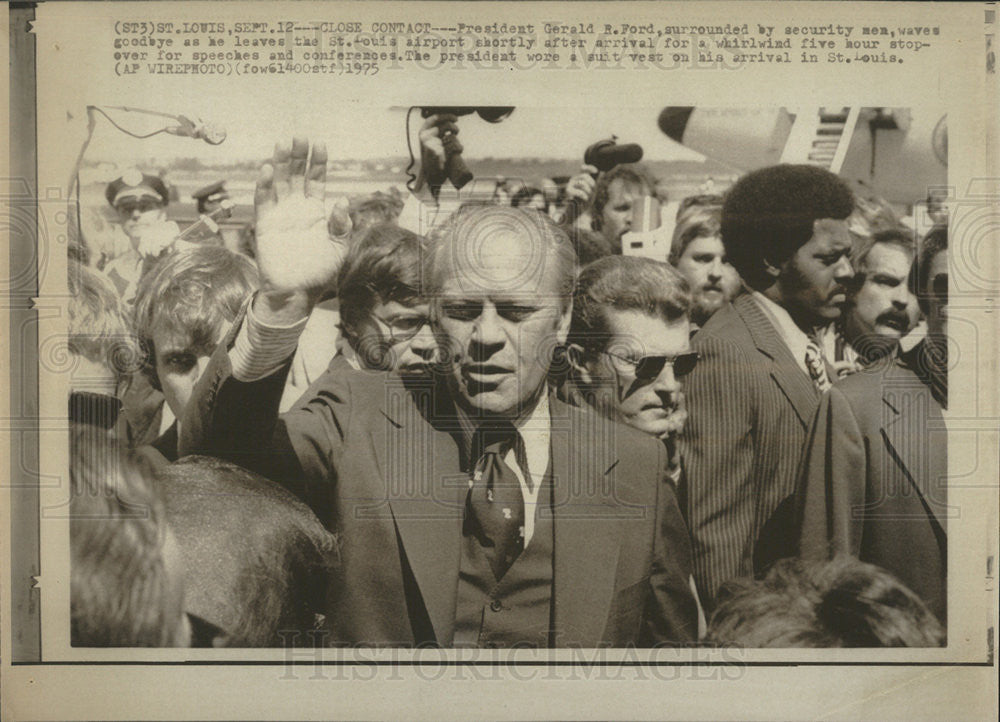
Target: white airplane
(889, 154)
(896, 154)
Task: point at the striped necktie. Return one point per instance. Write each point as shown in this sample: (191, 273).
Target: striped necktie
(816, 365)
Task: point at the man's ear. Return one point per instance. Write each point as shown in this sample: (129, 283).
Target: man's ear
(576, 356)
(565, 319)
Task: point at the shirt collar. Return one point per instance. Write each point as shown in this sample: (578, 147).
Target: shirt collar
(794, 337)
(532, 424)
(349, 355)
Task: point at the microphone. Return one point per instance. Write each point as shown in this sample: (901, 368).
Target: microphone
(606, 154)
(211, 134)
(225, 210)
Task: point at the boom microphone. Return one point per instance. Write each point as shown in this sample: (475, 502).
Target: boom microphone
(211, 134)
(606, 154)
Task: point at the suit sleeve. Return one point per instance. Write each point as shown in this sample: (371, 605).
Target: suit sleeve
(239, 421)
(717, 450)
(832, 481)
(676, 612)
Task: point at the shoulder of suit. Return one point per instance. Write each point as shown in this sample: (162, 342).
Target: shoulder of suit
(726, 345)
(362, 382)
(865, 392)
(632, 460)
(629, 443)
(726, 326)
(862, 383)
(365, 389)
(872, 381)
(857, 392)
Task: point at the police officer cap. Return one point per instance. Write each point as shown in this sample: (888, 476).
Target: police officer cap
(212, 192)
(134, 184)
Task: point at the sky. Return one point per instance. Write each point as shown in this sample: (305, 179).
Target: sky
(359, 118)
(352, 131)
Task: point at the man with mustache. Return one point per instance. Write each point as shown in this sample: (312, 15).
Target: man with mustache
(697, 252)
(474, 509)
(874, 476)
(763, 367)
(881, 307)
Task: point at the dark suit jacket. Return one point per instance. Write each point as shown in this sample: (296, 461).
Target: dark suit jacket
(749, 408)
(380, 464)
(874, 479)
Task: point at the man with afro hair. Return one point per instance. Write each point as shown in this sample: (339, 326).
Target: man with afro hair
(763, 367)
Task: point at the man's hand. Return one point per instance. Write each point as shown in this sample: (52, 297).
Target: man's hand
(296, 258)
(155, 238)
(581, 186)
(339, 224)
(437, 139)
(579, 194)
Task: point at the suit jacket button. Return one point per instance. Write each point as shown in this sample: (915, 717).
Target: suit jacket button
(496, 605)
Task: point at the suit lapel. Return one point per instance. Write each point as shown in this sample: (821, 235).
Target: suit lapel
(911, 421)
(426, 493)
(585, 528)
(425, 486)
(794, 383)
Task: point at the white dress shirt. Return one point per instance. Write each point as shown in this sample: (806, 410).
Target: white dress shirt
(318, 343)
(259, 349)
(535, 431)
(794, 337)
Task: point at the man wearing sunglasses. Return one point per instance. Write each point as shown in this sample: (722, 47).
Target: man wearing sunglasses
(874, 476)
(628, 346)
(140, 200)
(629, 349)
(473, 508)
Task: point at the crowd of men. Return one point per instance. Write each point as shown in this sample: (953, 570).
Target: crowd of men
(390, 424)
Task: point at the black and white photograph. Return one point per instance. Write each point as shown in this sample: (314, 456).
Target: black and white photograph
(502, 343)
(707, 304)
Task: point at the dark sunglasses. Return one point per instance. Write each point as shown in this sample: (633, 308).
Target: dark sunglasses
(127, 208)
(648, 368)
(939, 286)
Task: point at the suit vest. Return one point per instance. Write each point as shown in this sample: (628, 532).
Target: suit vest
(517, 610)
